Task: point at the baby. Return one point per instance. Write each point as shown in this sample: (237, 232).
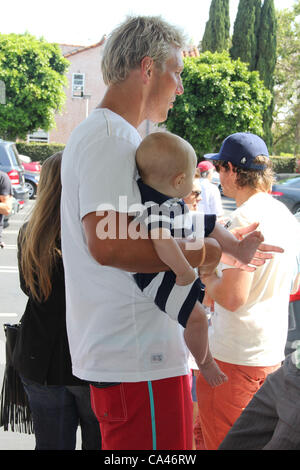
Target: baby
(167, 165)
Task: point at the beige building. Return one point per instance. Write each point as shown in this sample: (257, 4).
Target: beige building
(85, 88)
(84, 91)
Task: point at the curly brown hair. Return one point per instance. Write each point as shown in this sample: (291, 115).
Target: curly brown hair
(256, 179)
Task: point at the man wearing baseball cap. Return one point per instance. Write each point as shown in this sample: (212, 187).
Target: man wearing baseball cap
(250, 324)
(210, 202)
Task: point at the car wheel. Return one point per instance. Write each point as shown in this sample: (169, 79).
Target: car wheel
(31, 188)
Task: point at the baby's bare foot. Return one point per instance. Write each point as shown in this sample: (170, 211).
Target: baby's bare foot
(213, 374)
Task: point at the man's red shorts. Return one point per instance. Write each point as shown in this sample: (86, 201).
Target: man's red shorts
(156, 415)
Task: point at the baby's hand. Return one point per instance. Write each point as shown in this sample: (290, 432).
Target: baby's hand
(186, 278)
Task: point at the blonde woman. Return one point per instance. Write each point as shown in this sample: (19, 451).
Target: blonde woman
(58, 400)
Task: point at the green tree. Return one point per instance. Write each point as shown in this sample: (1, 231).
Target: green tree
(221, 97)
(266, 61)
(286, 123)
(254, 42)
(245, 32)
(216, 34)
(33, 73)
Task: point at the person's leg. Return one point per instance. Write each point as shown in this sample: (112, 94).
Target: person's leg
(198, 436)
(220, 407)
(286, 383)
(54, 416)
(271, 421)
(199, 441)
(145, 415)
(255, 426)
(90, 429)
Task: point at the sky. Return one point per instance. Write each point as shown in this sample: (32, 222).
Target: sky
(85, 22)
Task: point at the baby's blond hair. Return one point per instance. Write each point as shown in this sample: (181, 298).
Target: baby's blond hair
(162, 156)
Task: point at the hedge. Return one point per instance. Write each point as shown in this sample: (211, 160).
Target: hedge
(283, 164)
(38, 151)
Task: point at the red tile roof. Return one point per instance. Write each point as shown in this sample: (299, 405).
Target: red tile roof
(83, 48)
(191, 51)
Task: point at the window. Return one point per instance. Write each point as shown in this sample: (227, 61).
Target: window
(78, 85)
(4, 159)
(14, 155)
(38, 136)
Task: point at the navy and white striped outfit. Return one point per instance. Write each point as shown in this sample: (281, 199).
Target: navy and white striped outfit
(172, 214)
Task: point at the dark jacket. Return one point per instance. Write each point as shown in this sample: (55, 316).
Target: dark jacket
(42, 351)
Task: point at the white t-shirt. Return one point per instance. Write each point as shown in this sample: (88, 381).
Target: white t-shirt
(211, 202)
(115, 333)
(256, 333)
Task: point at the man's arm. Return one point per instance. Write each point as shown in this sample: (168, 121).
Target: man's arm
(232, 290)
(5, 205)
(127, 253)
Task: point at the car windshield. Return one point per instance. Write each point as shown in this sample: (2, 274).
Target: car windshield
(294, 182)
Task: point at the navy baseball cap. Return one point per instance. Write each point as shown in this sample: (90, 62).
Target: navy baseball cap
(241, 149)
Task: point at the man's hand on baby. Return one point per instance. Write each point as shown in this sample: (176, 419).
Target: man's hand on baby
(213, 255)
(186, 278)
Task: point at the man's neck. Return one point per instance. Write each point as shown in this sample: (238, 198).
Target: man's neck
(243, 194)
(126, 100)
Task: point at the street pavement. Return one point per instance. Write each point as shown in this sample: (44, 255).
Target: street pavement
(12, 305)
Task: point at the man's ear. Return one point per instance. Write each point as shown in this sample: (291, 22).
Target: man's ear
(231, 167)
(146, 68)
(232, 172)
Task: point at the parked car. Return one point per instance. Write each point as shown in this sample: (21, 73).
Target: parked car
(294, 323)
(10, 163)
(294, 316)
(31, 173)
(287, 191)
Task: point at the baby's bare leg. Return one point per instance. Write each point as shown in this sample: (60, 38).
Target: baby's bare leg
(196, 338)
(196, 333)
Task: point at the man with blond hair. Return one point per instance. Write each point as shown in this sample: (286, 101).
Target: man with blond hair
(133, 354)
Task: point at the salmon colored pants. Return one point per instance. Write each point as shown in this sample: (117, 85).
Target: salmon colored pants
(219, 407)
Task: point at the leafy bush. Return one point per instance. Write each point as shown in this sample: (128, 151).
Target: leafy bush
(33, 72)
(283, 164)
(38, 151)
(221, 97)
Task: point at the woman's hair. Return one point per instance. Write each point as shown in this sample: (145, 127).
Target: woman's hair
(135, 39)
(256, 179)
(40, 239)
